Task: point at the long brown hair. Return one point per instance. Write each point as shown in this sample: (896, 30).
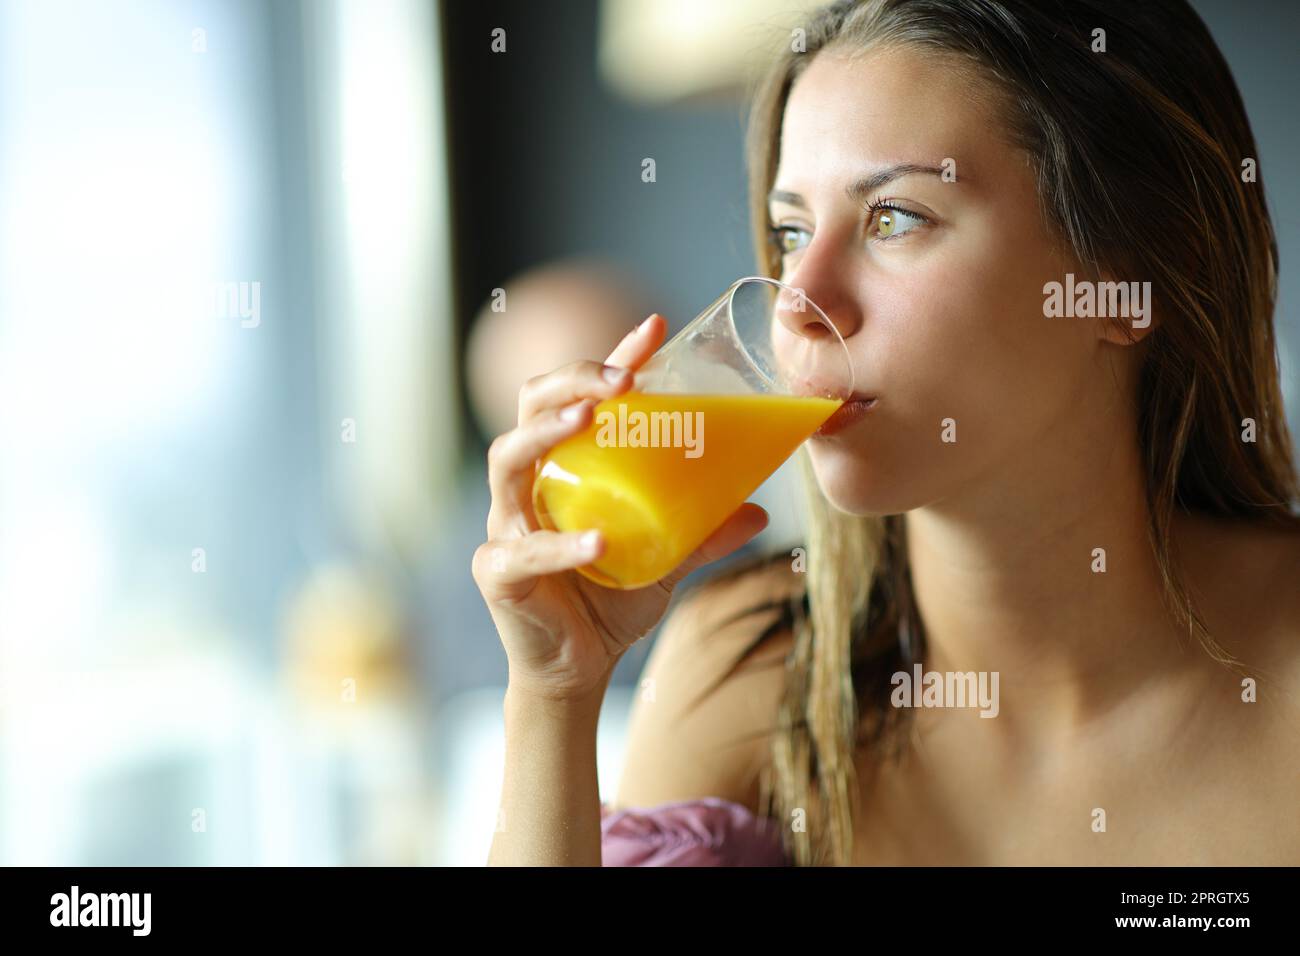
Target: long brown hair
(1139, 158)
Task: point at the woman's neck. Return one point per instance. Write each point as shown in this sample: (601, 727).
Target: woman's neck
(1009, 579)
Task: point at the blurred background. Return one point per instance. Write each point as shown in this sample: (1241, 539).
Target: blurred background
(252, 258)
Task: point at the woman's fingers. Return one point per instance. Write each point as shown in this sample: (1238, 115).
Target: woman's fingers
(592, 379)
(507, 570)
(512, 459)
(568, 384)
(639, 344)
(553, 407)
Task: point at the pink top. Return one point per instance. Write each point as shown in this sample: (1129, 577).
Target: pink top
(709, 831)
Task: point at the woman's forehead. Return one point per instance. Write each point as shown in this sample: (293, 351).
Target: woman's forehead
(882, 107)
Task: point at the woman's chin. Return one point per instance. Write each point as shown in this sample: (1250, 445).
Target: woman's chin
(856, 489)
(856, 496)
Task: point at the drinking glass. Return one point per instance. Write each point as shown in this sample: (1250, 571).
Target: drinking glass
(710, 416)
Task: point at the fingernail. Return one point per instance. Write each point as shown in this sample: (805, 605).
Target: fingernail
(640, 326)
(589, 541)
(613, 374)
(571, 413)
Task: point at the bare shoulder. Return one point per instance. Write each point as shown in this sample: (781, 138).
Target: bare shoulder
(1247, 577)
(1271, 559)
(1264, 568)
(1258, 601)
(707, 700)
(1278, 649)
(1284, 591)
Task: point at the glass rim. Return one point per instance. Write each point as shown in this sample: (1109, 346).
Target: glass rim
(728, 297)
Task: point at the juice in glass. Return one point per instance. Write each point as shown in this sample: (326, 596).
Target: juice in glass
(656, 503)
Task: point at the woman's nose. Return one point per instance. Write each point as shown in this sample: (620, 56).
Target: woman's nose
(797, 310)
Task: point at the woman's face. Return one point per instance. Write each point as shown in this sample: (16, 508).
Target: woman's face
(939, 300)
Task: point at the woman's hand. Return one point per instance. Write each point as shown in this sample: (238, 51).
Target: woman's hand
(563, 633)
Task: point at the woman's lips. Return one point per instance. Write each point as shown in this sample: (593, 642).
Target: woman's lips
(855, 409)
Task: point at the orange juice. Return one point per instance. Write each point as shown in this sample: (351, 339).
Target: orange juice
(660, 473)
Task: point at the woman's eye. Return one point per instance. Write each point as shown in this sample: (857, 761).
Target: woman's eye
(786, 238)
(886, 222)
(890, 221)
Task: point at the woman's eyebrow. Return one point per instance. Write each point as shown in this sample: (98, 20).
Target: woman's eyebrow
(858, 190)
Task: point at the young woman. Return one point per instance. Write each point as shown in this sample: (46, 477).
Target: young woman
(1093, 504)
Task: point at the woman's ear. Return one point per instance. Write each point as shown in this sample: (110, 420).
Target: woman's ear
(1125, 310)
(1123, 331)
